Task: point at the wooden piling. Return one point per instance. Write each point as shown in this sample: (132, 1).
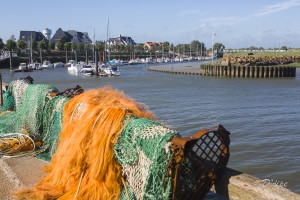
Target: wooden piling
(249, 71)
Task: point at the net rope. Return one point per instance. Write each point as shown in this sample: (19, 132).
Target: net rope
(30, 109)
(140, 150)
(101, 137)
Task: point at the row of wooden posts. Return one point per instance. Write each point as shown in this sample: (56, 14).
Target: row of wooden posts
(248, 71)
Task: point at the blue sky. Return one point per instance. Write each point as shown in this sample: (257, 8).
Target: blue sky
(237, 24)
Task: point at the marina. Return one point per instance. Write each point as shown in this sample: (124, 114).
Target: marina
(261, 114)
(153, 101)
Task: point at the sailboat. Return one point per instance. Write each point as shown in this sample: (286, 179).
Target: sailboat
(107, 68)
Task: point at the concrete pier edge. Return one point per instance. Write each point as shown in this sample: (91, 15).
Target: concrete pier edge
(26, 171)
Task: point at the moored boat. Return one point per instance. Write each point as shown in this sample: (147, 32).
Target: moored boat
(34, 66)
(72, 66)
(46, 64)
(23, 66)
(58, 64)
(112, 70)
(86, 70)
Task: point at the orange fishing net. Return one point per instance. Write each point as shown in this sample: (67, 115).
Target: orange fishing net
(84, 165)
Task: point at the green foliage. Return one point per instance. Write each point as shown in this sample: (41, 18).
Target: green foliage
(219, 46)
(60, 46)
(197, 46)
(51, 45)
(1, 44)
(139, 47)
(284, 48)
(73, 46)
(67, 46)
(252, 48)
(87, 46)
(166, 46)
(100, 45)
(21, 44)
(80, 47)
(34, 44)
(10, 44)
(43, 44)
(64, 39)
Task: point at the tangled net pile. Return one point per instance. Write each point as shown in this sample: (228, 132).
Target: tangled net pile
(102, 144)
(30, 110)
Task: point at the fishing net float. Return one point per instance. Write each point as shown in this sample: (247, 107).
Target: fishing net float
(101, 144)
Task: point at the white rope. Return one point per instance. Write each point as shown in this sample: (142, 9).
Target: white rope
(18, 137)
(81, 176)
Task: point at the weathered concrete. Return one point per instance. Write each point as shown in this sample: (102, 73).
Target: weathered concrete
(17, 173)
(236, 185)
(26, 171)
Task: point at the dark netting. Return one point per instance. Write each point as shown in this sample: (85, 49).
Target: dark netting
(197, 162)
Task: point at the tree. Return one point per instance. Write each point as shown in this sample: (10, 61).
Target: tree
(87, 46)
(252, 48)
(100, 45)
(21, 44)
(1, 44)
(43, 44)
(73, 46)
(219, 46)
(51, 45)
(10, 45)
(284, 48)
(195, 45)
(260, 48)
(34, 44)
(64, 39)
(139, 47)
(80, 47)
(60, 46)
(67, 46)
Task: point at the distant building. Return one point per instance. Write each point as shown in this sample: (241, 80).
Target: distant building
(27, 36)
(149, 45)
(71, 36)
(47, 33)
(121, 40)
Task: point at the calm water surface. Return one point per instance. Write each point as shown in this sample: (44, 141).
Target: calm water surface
(263, 115)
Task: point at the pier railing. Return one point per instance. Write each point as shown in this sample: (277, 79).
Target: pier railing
(248, 71)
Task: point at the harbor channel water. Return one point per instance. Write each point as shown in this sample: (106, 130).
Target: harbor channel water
(262, 114)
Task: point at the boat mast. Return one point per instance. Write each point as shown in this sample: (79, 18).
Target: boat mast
(31, 48)
(107, 40)
(94, 43)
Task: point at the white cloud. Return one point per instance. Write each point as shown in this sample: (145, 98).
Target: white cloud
(277, 7)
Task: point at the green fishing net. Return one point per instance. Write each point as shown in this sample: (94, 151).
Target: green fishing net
(30, 109)
(141, 151)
